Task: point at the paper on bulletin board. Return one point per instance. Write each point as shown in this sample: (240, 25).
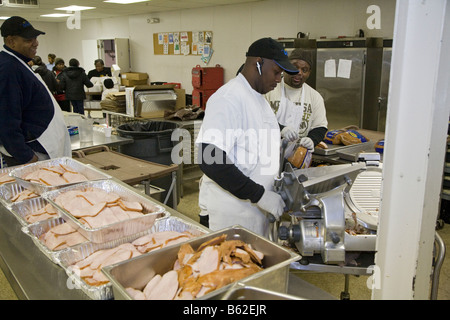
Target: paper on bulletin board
(330, 68)
(176, 43)
(344, 68)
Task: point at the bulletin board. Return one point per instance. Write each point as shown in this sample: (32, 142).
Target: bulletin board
(183, 43)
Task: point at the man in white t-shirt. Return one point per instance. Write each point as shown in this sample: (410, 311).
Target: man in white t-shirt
(299, 108)
(239, 141)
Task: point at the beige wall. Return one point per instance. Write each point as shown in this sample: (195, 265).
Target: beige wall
(234, 28)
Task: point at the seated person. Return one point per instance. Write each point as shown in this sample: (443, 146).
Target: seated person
(108, 86)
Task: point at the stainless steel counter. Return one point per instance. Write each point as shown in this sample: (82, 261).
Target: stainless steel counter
(33, 276)
(99, 139)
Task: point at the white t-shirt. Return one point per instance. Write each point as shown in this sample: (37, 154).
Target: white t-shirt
(314, 113)
(239, 121)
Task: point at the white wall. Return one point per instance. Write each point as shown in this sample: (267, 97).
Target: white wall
(234, 28)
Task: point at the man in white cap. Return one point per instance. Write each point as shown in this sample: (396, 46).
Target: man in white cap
(32, 126)
(239, 143)
(299, 108)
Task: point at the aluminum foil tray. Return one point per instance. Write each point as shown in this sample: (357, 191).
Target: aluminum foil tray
(137, 271)
(8, 170)
(116, 230)
(90, 172)
(23, 208)
(36, 230)
(66, 258)
(9, 191)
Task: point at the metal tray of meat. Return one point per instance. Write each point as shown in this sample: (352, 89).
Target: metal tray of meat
(334, 148)
(24, 208)
(152, 212)
(37, 230)
(241, 291)
(90, 172)
(138, 271)
(6, 171)
(66, 258)
(9, 191)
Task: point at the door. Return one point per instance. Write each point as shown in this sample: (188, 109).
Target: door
(122, 48)
(115, 51)
(341, 84)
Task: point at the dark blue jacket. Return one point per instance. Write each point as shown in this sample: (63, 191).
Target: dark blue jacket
(26, 108)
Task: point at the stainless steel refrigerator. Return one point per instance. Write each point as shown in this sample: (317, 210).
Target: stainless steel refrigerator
(384, 87)
(348, 76)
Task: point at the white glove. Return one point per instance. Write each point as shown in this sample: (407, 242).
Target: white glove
(289, 134)
(272, 203)
(307, 143)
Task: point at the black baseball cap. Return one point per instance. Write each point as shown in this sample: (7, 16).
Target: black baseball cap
(271, 49)
(18, 26)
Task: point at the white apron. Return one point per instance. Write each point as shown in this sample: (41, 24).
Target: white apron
(224, 209)
(290, 115)
(55, 139)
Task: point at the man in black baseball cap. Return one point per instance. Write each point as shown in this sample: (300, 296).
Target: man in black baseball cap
(32, 126)
(241, 135)
(271, 49)
(18, 26)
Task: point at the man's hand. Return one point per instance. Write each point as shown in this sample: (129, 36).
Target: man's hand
(289, 134)
(307, 143)
(272, 203)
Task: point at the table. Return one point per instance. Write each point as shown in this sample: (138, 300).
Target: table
(339, 157)
(88, 102)
(99, 139)
(128, 169)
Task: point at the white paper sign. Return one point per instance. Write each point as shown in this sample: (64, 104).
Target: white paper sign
(330, 68)
(344, 68)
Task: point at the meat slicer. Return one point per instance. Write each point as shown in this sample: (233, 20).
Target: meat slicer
(327, 204)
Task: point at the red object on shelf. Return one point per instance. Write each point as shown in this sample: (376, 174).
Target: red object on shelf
(177, 84)
(207, 78)
(200, 97)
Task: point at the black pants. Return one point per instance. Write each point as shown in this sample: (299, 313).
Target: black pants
(204, 221)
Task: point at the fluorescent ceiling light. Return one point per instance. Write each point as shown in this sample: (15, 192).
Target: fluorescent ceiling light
(75, 8)
(124, 1)
(57, 15)
(4, 18)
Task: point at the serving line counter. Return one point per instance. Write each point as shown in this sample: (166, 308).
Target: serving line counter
(34, 276)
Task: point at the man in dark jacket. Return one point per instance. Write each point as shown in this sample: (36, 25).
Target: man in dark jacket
(73, 80)
(32, 126)
(46, 75)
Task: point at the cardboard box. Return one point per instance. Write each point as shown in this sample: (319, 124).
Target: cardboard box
(135, 76)
(132, 83)
(133, 111)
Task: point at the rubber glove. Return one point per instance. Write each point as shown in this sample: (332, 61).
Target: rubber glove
(307, 143)
(272, 203)
(289, 134)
